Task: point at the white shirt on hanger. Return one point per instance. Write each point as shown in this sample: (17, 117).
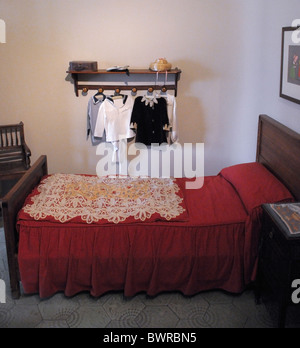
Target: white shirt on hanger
(114, 117)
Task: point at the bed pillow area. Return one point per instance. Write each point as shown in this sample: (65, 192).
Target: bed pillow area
(256, 185)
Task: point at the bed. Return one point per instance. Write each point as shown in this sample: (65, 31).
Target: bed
(166, 238)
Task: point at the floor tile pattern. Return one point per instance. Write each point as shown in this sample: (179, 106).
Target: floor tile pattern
(212, 309)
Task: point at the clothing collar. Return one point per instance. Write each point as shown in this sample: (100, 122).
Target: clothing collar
(127, 103)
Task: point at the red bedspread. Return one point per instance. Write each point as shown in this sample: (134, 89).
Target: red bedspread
(213, 243)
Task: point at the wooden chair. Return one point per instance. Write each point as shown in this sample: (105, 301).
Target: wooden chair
(14, 153)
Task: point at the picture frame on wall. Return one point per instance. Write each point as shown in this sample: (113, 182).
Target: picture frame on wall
(290, 64)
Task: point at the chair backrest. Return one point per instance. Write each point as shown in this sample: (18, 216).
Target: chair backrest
(13, 148)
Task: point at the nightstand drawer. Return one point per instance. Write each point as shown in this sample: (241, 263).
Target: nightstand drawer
(277, 241)
(288, 248)
(274, 261)
(295, 250)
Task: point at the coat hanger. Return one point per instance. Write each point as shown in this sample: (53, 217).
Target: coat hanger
(100, 95)
(149, 98)
(117, 94)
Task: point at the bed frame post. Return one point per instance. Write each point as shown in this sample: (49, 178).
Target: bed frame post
(11, 204)
(11, 251)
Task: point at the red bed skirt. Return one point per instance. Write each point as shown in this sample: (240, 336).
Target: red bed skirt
(134, 259)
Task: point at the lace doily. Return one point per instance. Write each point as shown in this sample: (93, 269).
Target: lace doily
(67, 196)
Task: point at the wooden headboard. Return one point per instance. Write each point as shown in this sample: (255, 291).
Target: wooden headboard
(278, 148)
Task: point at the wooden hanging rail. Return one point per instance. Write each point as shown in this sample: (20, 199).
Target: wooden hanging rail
(81, 84)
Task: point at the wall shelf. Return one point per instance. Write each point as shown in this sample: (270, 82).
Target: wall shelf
(104, 80)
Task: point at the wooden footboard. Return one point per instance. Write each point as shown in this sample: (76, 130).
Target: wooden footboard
(11, 204)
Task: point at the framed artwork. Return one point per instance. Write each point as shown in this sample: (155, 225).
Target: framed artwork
(290, 64)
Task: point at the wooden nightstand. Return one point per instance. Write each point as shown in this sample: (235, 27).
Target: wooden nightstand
(279, 257)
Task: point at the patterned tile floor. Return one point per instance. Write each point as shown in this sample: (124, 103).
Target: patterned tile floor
(213, 309)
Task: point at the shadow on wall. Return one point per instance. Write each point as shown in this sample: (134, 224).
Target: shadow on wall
(191, 114)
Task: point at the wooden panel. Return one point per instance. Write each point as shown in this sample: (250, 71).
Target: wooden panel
(278, 149)
(81, 77)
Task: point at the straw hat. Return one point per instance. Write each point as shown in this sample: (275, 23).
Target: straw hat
(160, 64)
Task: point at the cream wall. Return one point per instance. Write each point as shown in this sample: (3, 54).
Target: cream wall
(228, 50)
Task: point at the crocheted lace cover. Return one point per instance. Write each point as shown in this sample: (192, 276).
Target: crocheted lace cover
(67, 196)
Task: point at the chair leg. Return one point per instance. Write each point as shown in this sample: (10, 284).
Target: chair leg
(14, 282)
(15, 293)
